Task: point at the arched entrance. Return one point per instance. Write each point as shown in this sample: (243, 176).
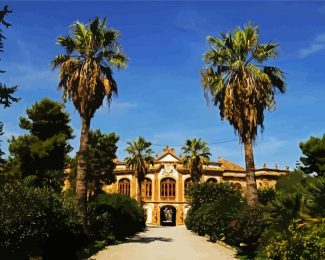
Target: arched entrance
(168, 216)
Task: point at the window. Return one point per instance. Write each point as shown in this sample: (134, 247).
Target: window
(187, 185)
(124, 187)
(212, 180)
(146, 188)
(168, 188)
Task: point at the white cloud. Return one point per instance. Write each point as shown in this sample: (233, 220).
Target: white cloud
(190, 20)
(116, 108)
(318, 44)
(123, 105)
(31, 77)
(270, 145)
(321, 9)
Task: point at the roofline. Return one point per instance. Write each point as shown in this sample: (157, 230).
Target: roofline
(163, 155)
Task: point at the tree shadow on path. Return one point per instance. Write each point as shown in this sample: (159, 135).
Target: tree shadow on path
(146, 240)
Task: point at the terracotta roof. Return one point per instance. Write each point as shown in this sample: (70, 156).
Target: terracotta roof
(227, 165)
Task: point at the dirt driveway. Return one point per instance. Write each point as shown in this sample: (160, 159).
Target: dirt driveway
(166, 243)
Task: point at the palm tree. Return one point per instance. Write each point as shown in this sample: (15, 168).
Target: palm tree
(139, 159)
(242, 88)
(196, 154)
(91, 52)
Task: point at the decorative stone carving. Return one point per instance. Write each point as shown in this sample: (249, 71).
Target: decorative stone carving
(169, 169)
(169, 150)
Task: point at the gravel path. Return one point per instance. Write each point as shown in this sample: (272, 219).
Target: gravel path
(166, 243)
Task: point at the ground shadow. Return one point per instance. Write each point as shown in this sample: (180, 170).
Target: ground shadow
(146, 240)
(92, 249)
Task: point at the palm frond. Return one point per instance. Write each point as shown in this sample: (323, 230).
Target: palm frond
(67, 42)
(241, 89)
(86, 75)
(277, 77)
(264, 52)
(196, 155)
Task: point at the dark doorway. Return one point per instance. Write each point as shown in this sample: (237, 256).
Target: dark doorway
(168, 216)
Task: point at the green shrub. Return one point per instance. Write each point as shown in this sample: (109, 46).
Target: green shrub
(296, 244)
(315, 197)
(210, 192)
(35, 221)
(248, 226)
(284, 210)
(213, 206)
(218, 216)
(113, 217)
(297, 229)
(292, 182)
(188, 220)
(203, 193)
(246, 229)
(266, 195)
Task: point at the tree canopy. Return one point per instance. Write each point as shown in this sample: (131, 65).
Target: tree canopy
(313, 158)
(45, 147)
(86, 75)
(6, 93)
(238, 83)
(101, 159)
(196, 154)
(139, 159)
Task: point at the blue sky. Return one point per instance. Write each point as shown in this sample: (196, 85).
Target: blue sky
(160, 95)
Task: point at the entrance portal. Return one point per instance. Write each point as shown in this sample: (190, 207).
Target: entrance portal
(168, 216)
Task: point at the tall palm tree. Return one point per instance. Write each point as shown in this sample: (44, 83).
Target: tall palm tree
(91, 52)
(139, 159)
(196, 154)
(242, 87)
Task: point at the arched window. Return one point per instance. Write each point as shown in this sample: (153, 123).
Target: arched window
(124, 186)
(187, 185)
(213, 180)
(146, 189)
(168, 188)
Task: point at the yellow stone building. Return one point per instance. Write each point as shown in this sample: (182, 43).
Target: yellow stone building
(164, 190)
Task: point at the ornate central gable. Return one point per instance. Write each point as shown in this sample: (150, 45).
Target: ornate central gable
(168, 155)
(167, 158)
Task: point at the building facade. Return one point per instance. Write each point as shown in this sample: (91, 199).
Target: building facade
(164, 190)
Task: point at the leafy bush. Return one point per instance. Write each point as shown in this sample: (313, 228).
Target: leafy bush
(295, 181)
(213, 206)
(211, 192)
(289, 223)
(246, 229)
(315, 197)
(35, 221)
(296, 221)
(297, 243)
(284, 210)
(266, 195)
(113, 217)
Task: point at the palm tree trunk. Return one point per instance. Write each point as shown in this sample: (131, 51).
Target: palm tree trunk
(251, 187)
(139, 193)
(81, 184)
